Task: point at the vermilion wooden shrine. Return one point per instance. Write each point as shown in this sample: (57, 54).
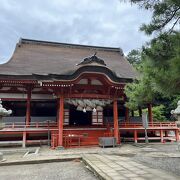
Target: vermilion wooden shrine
(71, 94)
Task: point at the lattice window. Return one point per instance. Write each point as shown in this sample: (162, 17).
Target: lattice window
(66, 117)
(97, 118)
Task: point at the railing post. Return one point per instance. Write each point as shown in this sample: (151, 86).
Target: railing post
(135, 135)
(166, 133)
(161, 136)
(24, 139)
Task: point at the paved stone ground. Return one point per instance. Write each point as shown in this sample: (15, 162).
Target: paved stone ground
(163, 156)
(153, 157)
(123, 168)
(47, 171)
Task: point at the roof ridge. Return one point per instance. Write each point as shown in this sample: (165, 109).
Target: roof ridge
(51, 43)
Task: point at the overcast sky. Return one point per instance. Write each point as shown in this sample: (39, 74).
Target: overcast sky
(92, 22)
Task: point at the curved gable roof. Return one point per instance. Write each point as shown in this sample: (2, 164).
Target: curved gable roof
(43, 58)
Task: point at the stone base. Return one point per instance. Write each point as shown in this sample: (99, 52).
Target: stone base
(60, 148)
(1, 156)
(178, 123)
(2, 125)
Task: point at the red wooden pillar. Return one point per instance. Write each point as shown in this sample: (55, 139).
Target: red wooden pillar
(135, 136)
(28, 107)
(161, 136)
(57, 112)
(127, 115)
(166, 133)
(116, 126)
(60, 121)
(150, 113)
(24, 139)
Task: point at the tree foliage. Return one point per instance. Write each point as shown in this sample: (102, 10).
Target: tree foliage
(166, 13)
(159, 66)
(159, 72)
(163, 59)
(158, 112)
(134, 57)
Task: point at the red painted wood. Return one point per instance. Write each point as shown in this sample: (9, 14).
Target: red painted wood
(28, 107)
(135, 136)
(61, 120)
(161, 136)
(116, 126)
(94, 96)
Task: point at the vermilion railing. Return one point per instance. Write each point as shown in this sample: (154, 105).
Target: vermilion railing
(154, 124)
(54, 124)
(32, 125)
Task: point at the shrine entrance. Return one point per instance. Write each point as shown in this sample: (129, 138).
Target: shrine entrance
(79, 118)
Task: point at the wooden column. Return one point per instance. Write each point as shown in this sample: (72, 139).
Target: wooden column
(60, 121)
(166, 133)
(135, 136)
(161, 136)
(127, 115)
(150, 113)
(24, 139)
(116, 126)
(57, 112)
(28, 107)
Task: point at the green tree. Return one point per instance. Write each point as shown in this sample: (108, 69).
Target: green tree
(158, 113)
(158, 74)
(165, 17)
(134, 57)
(163, 59)
(160, 58)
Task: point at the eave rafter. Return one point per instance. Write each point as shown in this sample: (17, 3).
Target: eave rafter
(54, 86)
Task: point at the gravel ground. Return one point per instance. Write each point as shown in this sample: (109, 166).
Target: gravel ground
(167, 164)
(170, 164)
(48, 171)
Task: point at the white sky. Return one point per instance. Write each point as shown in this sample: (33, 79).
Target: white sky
(91, 22)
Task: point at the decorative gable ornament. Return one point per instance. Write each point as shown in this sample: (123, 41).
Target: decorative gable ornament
(91, 60)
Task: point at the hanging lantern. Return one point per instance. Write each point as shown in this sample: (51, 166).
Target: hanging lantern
(84, 110)
(94, 110)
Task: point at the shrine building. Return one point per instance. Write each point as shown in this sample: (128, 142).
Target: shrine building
(70, 95)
